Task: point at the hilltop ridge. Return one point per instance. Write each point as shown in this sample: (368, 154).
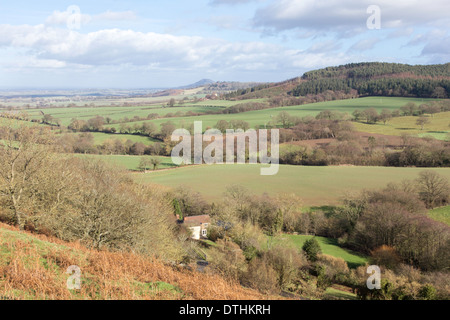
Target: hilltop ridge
(361, 79)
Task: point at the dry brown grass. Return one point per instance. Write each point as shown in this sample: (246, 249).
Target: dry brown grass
(33, 267)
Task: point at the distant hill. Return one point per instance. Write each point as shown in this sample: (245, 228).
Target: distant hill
(211, 86)
(168, 93)
(200, 83)
(208, 86)
(361, 79)
(228, 86)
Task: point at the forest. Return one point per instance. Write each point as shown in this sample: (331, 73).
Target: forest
(367, 79)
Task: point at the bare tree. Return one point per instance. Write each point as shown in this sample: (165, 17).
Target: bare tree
(23, 153)
(385, 116)
(434, 189)
(155, 162)
(284, 118)
(145, 164)
(422, 121)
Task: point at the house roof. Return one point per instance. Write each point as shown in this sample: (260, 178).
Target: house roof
(197, 220)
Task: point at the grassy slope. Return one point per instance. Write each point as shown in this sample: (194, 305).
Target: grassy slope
(329, 246)
(315, 185)
(441, 214)
(338, 293)
(33, 267)
(100, 137)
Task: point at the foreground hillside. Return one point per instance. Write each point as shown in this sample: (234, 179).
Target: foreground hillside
(34, 267)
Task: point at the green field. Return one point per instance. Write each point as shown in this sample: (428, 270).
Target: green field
(315, 185)
(262, 117)
(129, 162)
(339, 294)
(65, 115)
(441, 214)
(329, 246)
(437, 128)
(100, 137)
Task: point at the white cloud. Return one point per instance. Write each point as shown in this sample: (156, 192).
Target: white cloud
(32, 62)
(62, 17)
(63, 48)
(436, 45)
(349, 15)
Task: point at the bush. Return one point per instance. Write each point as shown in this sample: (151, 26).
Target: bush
(323, 280)
(261, 275)
(250, 252)
(227, 259)
(336, 269)
(427, 292)
(385, 256)
(312, 249)
(286, 262)
(385, 293)
(104, 209)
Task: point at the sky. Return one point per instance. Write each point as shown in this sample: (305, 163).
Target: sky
(157, 44)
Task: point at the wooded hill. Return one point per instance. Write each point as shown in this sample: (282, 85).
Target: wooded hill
(362, 79)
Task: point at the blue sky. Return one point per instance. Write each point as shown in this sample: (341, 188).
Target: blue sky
(145, 44)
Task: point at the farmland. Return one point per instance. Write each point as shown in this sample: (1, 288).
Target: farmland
(100, 137)
(65, 115)
(315, 185)
(263, 117)
(117, 116)
(438, 126)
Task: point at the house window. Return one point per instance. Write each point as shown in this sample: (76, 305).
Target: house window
(204, 232)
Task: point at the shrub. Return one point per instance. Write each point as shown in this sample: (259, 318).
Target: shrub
(227, 259)
(336, 269)
(385, 293)
(311, 248)
(286, 262)
(427, 292)
(261, 275)
(385, 256)
(323, 280)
